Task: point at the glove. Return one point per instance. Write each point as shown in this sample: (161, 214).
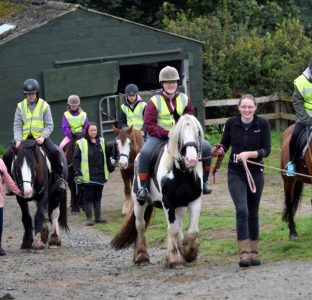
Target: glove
(113, 161)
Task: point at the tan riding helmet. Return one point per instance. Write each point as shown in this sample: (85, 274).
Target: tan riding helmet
(168, 74)
(73, 100)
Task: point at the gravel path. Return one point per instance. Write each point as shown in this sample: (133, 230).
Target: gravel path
(87, 268)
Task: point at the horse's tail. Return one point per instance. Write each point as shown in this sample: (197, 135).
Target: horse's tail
(291, 206)
(63, 212)
(127, 234)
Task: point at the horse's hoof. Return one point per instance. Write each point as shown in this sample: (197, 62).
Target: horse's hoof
(293, 237)
(142, 260)
(54, 241)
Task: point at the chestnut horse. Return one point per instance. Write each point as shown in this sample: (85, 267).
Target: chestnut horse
(176, 186)
(293, 185)
(129, 142)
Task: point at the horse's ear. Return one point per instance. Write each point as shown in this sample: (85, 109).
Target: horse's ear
(129, 130)
(116, 130)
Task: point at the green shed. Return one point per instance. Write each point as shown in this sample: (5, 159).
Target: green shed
(72, 50)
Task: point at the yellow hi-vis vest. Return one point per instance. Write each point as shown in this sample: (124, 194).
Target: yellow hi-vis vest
(134, 117)
(75, 122)
(164, 118)
(33, 123)
(304, 87)
(84, 165)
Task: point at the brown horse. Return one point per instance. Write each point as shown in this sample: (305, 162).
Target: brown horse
(76, 192)
(129, 142)
(293, 185)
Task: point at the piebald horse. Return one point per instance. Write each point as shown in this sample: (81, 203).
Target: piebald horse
(177, 187)
(32, 173)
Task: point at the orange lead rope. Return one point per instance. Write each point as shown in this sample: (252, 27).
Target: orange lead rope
(217, 152)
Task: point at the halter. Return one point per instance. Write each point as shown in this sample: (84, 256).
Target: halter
(181, 158)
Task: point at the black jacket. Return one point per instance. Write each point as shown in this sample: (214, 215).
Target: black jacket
(96, 161)
(256, 138)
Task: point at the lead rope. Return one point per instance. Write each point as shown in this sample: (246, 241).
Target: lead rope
(250, 179)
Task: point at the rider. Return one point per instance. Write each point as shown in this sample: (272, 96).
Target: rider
(161, 113)
(74, 120)
(132, 112)
(303, 107)
(33, 119)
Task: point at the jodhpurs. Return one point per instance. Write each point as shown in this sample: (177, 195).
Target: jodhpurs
(246, 203)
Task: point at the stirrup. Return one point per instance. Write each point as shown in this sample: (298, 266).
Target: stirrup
(142, 194)
(291, 169)
(206, 188)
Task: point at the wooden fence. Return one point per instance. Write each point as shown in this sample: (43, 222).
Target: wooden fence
(282, 113)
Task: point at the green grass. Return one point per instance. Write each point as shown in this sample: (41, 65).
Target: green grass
(218, 235)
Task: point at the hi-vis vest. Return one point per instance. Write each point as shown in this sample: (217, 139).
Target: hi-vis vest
(304, 87)
(75, 122)
(84, 165)
(134, 117)
(164, 118)
(33, 123)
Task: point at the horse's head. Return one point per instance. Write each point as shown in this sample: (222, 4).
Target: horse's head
(27, 168)
(185, 142)
(124, 142)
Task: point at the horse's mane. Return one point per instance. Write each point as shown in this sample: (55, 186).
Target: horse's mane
(31, 152)
(175, 135)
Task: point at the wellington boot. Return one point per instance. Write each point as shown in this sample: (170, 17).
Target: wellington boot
(254, 258)
(244, 253)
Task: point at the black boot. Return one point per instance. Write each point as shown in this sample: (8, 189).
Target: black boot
(206, 187)
(143, 193)
(88, 210)
(97, 213)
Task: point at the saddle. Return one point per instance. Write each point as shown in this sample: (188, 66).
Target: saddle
(302, 144)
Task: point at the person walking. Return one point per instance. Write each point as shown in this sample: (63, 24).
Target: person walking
(249, 137)
(303, 107)
(33, 120)
(5, 178)
(92, 165)
(74, 120)
(161, 113)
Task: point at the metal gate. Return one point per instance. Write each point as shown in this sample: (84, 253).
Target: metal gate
(109, 112)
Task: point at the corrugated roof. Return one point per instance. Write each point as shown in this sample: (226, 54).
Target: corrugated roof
(32, 14)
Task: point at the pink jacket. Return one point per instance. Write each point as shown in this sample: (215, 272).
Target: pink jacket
(6, 178)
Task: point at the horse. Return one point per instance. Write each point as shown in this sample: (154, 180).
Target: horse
(32, 173)
(129, 142)
(175, 186)
(76, 191)
(293, 185)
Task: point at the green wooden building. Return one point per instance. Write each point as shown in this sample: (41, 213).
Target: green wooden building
(72, 50)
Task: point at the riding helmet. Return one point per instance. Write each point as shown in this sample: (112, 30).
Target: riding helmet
(168, 74)
(31, 86)
(131, 89)
(73, 100)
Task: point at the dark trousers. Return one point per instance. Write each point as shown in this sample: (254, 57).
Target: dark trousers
(246, 203)
(298, 129)
(92, 199)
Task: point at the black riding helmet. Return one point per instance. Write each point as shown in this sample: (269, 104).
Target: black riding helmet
(131, 89)
(31, 86)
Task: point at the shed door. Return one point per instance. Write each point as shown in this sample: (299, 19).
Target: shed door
(84, 81)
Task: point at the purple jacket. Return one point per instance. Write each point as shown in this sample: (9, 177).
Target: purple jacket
(66, 127)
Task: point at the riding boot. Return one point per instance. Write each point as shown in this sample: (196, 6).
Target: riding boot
(97, 213)
(206, 187)
(244, 253)
(255, 261)
(61, 183)
(88, 211)
(143, 192)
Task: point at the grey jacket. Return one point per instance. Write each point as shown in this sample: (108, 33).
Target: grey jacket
(301, 113)
(18, 122)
